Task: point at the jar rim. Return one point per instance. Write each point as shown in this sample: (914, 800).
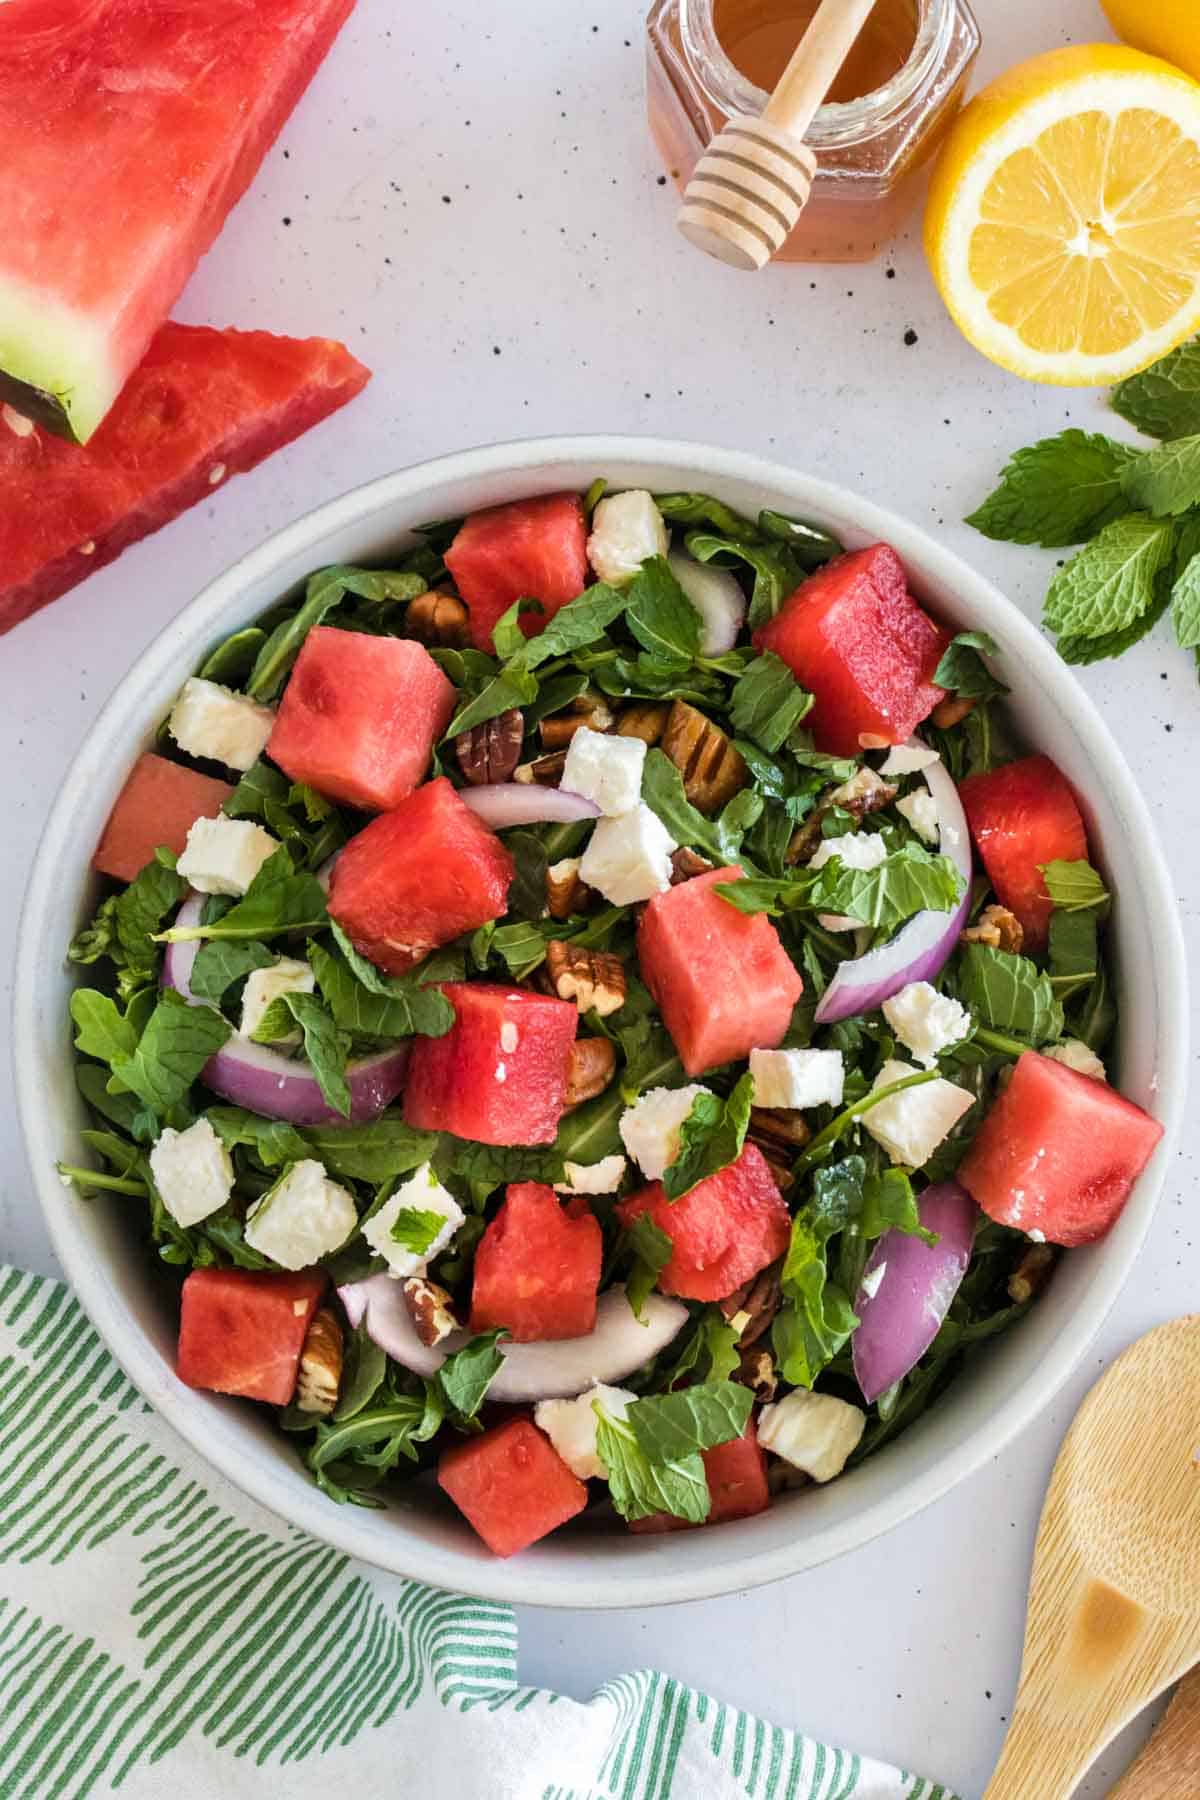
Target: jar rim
(837, 122)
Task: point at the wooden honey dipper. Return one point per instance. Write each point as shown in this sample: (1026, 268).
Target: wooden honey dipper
(753, 182)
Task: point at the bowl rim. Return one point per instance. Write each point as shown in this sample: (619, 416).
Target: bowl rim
(516, 1581)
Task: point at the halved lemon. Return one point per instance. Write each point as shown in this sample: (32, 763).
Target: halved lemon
(1063, 226)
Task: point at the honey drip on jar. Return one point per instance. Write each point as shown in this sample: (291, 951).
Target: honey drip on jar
(758, 36)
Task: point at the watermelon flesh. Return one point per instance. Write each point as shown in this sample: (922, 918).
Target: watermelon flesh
(725, 1230)
(722, 979)
(499, 1075)
(241, 1332)
(737, 1485)
(1058, 1153)
(204, 405)
(511, 1485)
(537, 1268)
(130, 129)
(1022, 816)
(360, 716)
(855, 637)
(157, 807)
(528, 550)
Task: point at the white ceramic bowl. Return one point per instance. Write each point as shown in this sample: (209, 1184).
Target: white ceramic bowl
(114, 1275)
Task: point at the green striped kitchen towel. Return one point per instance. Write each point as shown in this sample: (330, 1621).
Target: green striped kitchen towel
(161, 1635)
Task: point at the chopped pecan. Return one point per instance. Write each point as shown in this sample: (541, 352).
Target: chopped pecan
(1031, 1273)
(431, 1310)
(587, 709)
(491, 751)
(951, 711)
(751, 1308)
(998, 928)
(438, 620)
(712, 769)
(686, 863)
(756, 1370)
(645, 719)
(783, 1478)
(590, 1067)
(320, 1371)
(780, 1136)
(546, 771)
(565, 893)
(865, 792)
(594, 979)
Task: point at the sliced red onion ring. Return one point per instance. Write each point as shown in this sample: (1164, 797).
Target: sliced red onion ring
(555, 1370)
(506, 803)
(901, 1313)
(266, 1082)
(920, 950)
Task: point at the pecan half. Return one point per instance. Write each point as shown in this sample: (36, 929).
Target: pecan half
(780, 1136)
(438, 620)
(712, 769)
(593, 979)
(587, 709)
(1031, 1273)
(565, 893)
(645, 719)
(865, 792)
(998, 928)
(756, 1370)
(951, 711)
(686, 863)
(590, 1067)
(491, 751)
(751, 1307)
(546, 771)
(431, 1310)
(320, 1371)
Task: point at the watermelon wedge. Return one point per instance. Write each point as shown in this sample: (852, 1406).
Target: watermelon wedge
(204, 405)
(130, 129)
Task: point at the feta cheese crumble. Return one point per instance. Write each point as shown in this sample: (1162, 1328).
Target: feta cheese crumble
(650, 1127)
(814, 1432)
(222, 856)
(287, 975)
(920, 809)
(571, 1426)
(925, 1021)
(857, 850)
(626, 529)
(193, 1172)
(629, 858)
(795, 1079)
(212, 721)
(424, 1193)
(1073, 1053)
(603, 1177)
(606, 770)
(911, 1125)
(908, 759)
(304, 1217)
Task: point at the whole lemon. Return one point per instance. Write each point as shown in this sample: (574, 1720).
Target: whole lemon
(1166, 28)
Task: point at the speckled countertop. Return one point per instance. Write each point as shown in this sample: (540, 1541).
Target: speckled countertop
(480, 214)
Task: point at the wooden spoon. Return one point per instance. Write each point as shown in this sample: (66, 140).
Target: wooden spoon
(753, 181)
(1114, 1602)
(1169, 1766)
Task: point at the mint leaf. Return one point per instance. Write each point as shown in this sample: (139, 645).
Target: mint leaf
(1073, 952)
(581, 621)
(272, 1140)
(711, 1352)
(1080, 650)
(507, 635)
(710, 1138)
(219, 965)
(671, 1426)
(817, 1319)
(640, 1487)
(325, 591)
(368, 1003)
(143, 906)
(1164, 400)
(1165, 481)
(362, 1374)
(1185, 603)
(660, 615)
(1074, 886)
(102, 1030)
(415, 1228)
(768, 702)
(1109, 584)
(324, 1045)
(465, 1377)
(375, 1152)
(778, 571)
(497, 1164)
(1009, 994)
(172, 1051)
(1057, 491)
(703, 509)
(962, 669)
(652, 1251)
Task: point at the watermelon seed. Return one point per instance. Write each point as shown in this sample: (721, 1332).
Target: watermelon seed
(216, 475)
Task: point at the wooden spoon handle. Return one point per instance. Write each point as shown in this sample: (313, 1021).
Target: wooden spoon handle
(815, 61)
(1169, 1766)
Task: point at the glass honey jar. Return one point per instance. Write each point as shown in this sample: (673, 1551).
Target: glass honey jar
(888, 109)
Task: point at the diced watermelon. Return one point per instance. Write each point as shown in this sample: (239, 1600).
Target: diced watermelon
(360, 716)
(528, 550)
(725, 1230)
(737, 1485)
(204, 405)
(722, 979)
(512, 1485)
(418, 877)
(130, 129)
(156, 809)
(855, 637)
(241, 1332)
(499, 1075)
(1058, 1153)
(537, 1268)
(1022, 816)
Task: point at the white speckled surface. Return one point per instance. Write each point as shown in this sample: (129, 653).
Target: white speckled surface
(479, 215)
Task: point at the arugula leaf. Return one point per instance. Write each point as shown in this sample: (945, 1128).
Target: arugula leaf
(497, 1164)
(103, 1030)
(777, 570)
(711, 1352)
(962, 669)
(1057, 492)
(710, 1138)
(808, 542)
(465, 1377)
(591, 1131)
(1165, 482)
(662, 790)
(1097, 1016)
(324, 591)
(233, 658)
(910, 880)
(1074, 886)
(674, 1425)
(272, 1140)
(510, 688)
(351, 1454)
(818, 1318)
(640, 1487)
(703, 509)
(1164, 400)
(278, 900)
(375, 1152)
(660, 615)
(325, 1046)
(1073, 952)
(416, 1227)
(527, 891)
(768, 702)
(1109, 584)
(172, 1050)
(363, 1369)
(123, 1110)
(219, 965)
(1009, 993)
(652, 1251)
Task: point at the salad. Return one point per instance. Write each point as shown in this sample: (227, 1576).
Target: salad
(602, 1012)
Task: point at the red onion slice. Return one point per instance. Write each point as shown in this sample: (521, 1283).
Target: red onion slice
(555, 1370)
(899, 1318)
(505, 803)
(920, 950)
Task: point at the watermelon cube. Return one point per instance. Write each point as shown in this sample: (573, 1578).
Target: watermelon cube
(360, 716)
(417, 877)
(529, 550)
(725, 1230)
(241, 1332)
(499, 1076)
(537, 1267)
(1022, 816)
(737, 1485)
(855, 637)
(131, 127)
(722, 979)
(1058, 1153)
(511, 1485)
(156, 809)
